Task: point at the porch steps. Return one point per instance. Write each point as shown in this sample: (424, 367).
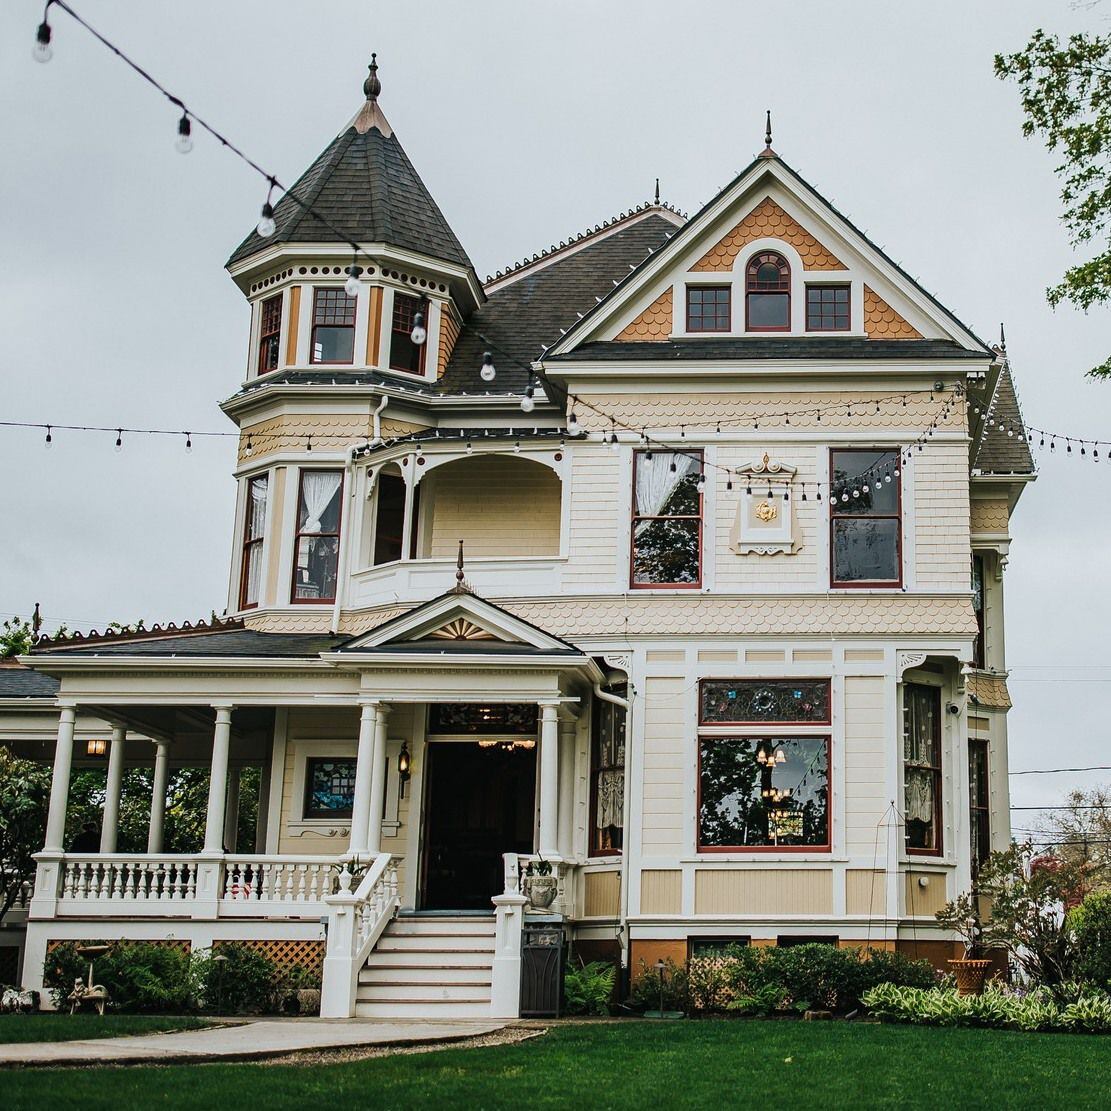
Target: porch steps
(429, 967)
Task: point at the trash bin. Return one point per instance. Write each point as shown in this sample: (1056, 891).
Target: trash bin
(541, 971)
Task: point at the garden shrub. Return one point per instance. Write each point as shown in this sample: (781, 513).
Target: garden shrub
(765, 1001)
(246, 982)
(1038, 1010)
(140, 977)
(1090, 926)
(588, 990)
(646, 990)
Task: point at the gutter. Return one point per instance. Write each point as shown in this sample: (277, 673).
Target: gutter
(344, 536)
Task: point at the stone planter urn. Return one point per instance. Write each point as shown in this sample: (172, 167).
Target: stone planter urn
(971, 975)
(541, 891)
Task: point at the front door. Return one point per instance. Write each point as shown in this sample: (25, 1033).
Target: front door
(479, 803)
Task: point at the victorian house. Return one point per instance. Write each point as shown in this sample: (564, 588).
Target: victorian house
(671, 557)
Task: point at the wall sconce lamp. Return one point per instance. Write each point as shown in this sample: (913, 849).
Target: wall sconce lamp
(404, 768)
(96, 748)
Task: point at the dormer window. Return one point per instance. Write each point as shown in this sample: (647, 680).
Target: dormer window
(768, 293)
(270, 330)
(333, 326)
(404, 353)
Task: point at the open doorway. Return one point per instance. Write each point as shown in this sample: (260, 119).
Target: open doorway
(479, 802)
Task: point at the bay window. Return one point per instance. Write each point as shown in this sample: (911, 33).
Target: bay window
(254, 526)
(865, 509)
(922, 768)
(763, 792)
(316, 543)
(607, 778)
(667, 519)
(333, 326)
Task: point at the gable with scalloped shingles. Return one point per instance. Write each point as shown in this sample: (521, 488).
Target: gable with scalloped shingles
(881, 321)
(768, 221)
(654, 324)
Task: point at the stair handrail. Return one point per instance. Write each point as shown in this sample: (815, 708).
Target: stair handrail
(356, 920)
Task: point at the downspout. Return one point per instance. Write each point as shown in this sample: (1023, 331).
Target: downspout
(348, 477)
(623, 921)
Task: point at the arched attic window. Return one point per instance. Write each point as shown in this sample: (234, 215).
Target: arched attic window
(767, 293)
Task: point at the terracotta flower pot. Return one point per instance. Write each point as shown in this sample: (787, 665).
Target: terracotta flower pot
(970, 976)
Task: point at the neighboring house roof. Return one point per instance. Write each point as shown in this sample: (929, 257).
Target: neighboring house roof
(744, 347)
(364, 186)
(248, 643)
(995, 452)
(527, 310)
(17, 681)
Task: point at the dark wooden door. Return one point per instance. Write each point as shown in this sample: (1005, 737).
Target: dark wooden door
(479, 803)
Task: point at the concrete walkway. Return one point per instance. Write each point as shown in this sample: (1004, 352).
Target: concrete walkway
(242, 1042)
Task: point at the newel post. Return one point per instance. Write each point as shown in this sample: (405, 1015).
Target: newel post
(338, 982)
(509, 919)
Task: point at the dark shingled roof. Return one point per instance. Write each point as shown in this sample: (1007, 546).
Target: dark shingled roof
(246, 643)
(364, 186)
(22, 682)
(743, 347)
(525, 315)
(995, 451)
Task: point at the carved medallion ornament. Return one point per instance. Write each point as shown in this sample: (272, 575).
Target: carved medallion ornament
(764, 524)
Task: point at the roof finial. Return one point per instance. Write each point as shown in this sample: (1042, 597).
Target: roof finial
(657, 190)
(372, 86)
(767, 152)
(459, 576)
(1002, 339)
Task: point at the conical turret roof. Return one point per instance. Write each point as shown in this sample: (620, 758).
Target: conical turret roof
(364, 186)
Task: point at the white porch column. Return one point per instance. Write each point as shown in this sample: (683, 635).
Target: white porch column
(59, 785)
(110, 826)
(549, 781)
(567, 735)
(360, 806)
(158, 796)
(218, 782)
(231, 812)
(377, 784)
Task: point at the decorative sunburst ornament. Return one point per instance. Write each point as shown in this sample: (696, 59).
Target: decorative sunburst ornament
(461, 629)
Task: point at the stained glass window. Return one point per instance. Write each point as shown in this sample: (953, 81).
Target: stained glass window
(764, 701)
(476, 717)
(329, 787)
(763, 792)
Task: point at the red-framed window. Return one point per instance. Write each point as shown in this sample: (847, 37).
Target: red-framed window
(764, 702)
(254, 531)
(333, 326)
(607, 778)
(978, 654)
(316, 541)
(922, 783)
(979, 802)
(763, 794)
(708, 308)
(667, 520)
(767, 293)
(406, 355)
(828, 308)
(270, 330)
(865, 518)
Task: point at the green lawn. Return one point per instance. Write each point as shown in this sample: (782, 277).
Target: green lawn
(635, 1065)
(69, 1028)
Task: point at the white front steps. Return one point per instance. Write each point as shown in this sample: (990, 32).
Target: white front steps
(429, 967)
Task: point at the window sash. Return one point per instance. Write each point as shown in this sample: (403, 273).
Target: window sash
(825, 313)
(254, 533)
(978, 600)
(713, 315)
(922, 768)
(607, 778)
(662, 460)
(864, 514)
(303, 537)
(405, 355)
(270, 328)
(333, 315)
(979, 801)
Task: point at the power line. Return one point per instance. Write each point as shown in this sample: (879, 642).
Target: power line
(1054, 771)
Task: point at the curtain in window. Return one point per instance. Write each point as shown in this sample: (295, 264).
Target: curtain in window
(656, 481)
(318, 489)
(920, 709)
(256, 509)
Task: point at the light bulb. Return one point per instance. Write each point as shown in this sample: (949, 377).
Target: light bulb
(614, 445)
(42, 51)
(266, 226)
(351, 286)
(49, 438)
(184, 142)
(119, 440)
(418, 335)
(488, 371)
(573, 424)
(527, 404)
(188, 443)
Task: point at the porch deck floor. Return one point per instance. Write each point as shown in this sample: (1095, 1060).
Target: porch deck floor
(242, 1041)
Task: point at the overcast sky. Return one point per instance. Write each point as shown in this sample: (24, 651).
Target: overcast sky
(528, 122)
